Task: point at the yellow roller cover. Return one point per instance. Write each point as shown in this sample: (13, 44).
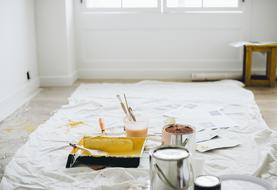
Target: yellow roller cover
(109, 144)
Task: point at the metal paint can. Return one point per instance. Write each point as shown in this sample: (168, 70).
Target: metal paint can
(207, 182)
(185, 138)
(170, 168)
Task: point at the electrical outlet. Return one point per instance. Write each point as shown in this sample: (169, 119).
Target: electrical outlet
(28, 75)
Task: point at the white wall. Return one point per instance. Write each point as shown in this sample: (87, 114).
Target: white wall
(17, 54)
(169, 46)
(263, 20)
(55, 37)
(263, 26)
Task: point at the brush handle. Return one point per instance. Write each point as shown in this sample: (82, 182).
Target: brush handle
(124, 108)
(126, 102)
(129, 110)
(91, 151)
(101, 125)
(79, 147)
(122, 105)
(132, 114)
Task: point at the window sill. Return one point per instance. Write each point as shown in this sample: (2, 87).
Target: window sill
(165, 12)
(208, 12)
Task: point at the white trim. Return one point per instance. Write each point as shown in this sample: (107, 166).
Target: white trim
(15, 100)
(83, 8)
(120, 10)
(153, 61)
(169, 74)
(174, 74)
(202, 9)
(65, 80)
(162, 8)
(209, 11)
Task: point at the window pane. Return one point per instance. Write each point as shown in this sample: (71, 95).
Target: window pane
(139, 3)
(184, 3)
(154, 3)
(103, 3)
(220, 3)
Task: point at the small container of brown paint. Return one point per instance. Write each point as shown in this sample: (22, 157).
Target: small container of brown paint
(180, 135)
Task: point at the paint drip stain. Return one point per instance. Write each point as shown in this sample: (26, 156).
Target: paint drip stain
(73, 124)
(29, 128)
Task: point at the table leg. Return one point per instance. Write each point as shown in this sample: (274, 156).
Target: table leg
(248, 66)
(244, 64)
(271, 66)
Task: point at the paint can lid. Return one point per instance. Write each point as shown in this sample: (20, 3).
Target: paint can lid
(207, 182)
(170, 153)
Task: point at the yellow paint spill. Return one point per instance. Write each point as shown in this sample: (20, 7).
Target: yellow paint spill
(29, 128)
(73, 124)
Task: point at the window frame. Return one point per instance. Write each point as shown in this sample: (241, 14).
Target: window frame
(162, 8)
(204, 9)
(122, 9)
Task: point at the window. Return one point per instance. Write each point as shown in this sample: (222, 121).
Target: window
(202, 3)
(220, 3)
(121, 3)
(139, 4)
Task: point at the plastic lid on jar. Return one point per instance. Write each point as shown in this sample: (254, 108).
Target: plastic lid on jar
(207, 182)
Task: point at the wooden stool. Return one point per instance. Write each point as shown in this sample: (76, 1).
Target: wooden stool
(270, 78)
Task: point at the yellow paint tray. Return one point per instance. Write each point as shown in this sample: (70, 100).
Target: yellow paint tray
(119, 152)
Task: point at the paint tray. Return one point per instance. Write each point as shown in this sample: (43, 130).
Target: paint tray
(119, 152)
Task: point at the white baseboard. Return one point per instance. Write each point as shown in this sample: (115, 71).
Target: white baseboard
(18, 98)
(167, 74)
(66, 80)
(162, 74)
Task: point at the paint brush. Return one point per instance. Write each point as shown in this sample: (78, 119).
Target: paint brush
(126, 102)
(91, 151)
(130, 111)
(122, 104)
(132, 114)
(102, 125)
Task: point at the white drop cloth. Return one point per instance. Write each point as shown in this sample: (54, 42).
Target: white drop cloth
(40, 163)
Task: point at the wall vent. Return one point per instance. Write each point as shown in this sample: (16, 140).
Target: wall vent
(215, 76)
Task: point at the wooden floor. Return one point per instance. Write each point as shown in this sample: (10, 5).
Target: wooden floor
(266, 99)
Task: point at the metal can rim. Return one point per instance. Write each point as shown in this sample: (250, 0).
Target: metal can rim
(151, 153)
